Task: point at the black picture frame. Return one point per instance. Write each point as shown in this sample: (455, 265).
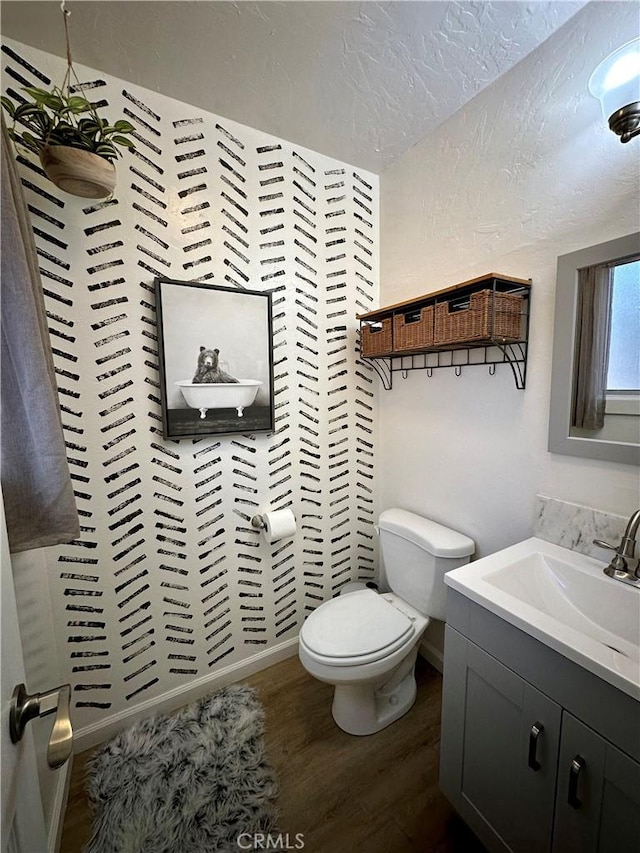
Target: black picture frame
(214, 335)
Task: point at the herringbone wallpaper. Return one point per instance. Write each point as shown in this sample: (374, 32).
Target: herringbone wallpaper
(169, 581)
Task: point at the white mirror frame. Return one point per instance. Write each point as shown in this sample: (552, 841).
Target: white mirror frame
(564, 336)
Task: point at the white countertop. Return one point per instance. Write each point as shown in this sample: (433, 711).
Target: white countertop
(563, 599)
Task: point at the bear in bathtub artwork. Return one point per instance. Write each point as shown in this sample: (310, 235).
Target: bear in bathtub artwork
(216, 359)
(214, 388)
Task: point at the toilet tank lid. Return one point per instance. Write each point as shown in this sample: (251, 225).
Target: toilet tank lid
(435, 538)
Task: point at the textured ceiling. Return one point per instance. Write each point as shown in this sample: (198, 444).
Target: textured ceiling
(359, 81)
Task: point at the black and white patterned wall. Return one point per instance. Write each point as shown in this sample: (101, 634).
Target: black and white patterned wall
(169, 581)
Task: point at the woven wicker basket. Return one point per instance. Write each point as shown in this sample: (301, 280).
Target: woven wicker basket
(413, 330)
(474, 323)
(376, 339)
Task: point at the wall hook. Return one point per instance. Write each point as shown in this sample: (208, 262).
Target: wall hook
(429, 372)
(492, 369)
(458, 370)
(405, 374)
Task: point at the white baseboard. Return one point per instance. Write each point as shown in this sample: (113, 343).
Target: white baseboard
(59, 807)
(431, 654)
(96, 733)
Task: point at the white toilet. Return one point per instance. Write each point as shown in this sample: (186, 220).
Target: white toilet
(366, 643)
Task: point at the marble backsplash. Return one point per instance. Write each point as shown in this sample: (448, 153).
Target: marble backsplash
(575, 526)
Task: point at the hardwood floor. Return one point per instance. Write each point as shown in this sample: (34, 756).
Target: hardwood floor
(375, 794)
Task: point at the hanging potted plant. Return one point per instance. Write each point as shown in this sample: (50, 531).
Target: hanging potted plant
(75, 145)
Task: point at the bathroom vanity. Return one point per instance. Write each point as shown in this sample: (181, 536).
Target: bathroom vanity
(540, 747)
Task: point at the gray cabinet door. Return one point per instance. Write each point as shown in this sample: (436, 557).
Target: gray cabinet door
(620, 813)
(490, 770)
(598, 797)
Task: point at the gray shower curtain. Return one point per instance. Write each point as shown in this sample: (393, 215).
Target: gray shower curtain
(36, 488)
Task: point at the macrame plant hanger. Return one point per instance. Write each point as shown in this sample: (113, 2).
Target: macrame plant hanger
(67, 87)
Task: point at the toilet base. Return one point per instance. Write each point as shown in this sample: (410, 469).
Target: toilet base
(364, 709)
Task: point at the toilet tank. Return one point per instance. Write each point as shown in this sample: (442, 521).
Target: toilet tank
(416, 553)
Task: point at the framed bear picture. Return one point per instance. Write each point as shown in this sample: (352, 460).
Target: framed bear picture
(216, 359)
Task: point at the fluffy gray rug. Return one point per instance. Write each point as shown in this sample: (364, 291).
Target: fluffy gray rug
(187, 783)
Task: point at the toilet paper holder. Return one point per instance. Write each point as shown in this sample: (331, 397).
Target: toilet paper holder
(275, 524)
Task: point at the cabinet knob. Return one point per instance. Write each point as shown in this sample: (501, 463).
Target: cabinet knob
(577, 765)
(536, 730)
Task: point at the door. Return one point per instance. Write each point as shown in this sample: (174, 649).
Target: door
(499, 749)
(598, 797)
(620, 813)
(23, 827)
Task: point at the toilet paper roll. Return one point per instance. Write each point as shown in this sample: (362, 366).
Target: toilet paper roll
(279, 524)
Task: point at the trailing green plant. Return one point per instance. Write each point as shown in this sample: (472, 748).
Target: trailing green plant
(55, 118)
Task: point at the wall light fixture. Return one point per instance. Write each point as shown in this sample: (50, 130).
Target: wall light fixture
(616, 84)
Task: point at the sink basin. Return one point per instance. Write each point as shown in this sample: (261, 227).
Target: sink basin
(575, 597)
(563, 599)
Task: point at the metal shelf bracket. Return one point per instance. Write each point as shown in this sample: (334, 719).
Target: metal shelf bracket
(513, 354)
(382, 367)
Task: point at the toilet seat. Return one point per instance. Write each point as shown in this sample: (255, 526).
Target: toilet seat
(353, 629)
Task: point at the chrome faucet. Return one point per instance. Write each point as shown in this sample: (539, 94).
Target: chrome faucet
(619, 568)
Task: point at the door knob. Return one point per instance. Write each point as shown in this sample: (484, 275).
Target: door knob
(26, 707)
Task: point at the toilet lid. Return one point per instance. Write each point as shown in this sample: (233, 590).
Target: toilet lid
(355, 625)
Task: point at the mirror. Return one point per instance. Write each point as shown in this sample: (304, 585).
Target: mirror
(615, 442)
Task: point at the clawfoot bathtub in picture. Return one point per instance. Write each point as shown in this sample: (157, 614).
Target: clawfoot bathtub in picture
(219, 395)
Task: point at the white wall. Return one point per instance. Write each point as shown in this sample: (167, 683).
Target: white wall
(169, 583)
(525, 172)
